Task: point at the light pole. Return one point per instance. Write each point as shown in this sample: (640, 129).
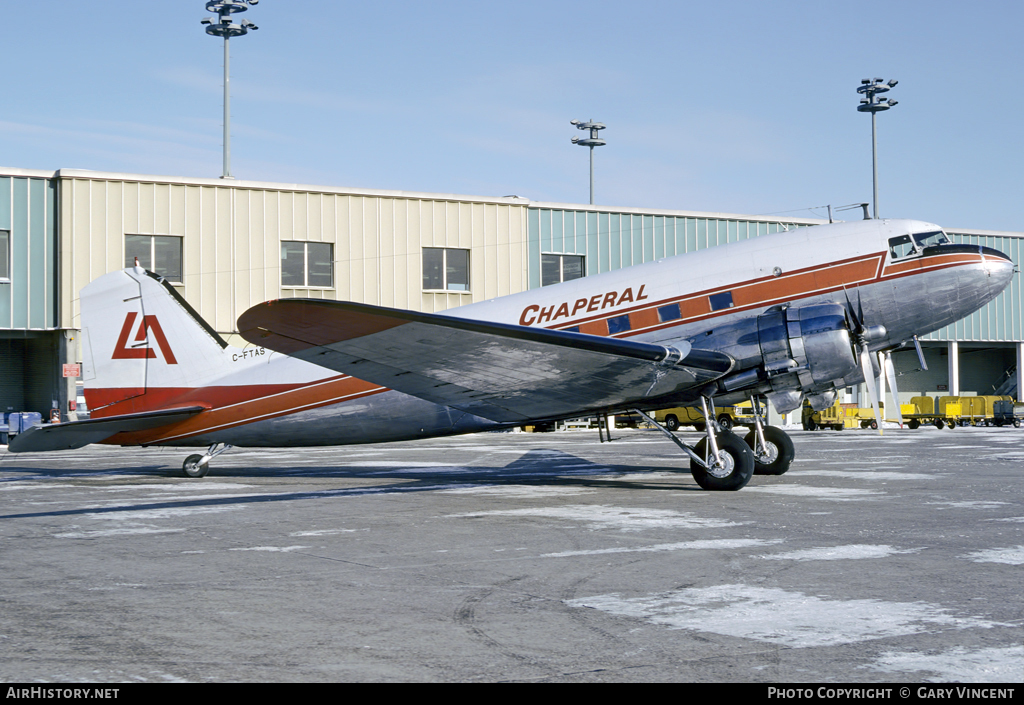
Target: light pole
(222, 26)
(872, 105)
(592, 141)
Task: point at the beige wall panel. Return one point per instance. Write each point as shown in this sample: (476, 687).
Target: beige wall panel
(105, 251)
(272, 244)
(342, 246)
(314, 225)
(354, 265)
(300, 216)
(177, 210)
(241, 264)
(192, 231)
(257, 235)
(386, 247)
(436, 237)
(207, 301)
(161, 209)
(370, 264)
(225, 260)
(146, 205)
(285, 208)
(465, 225)
(130, 204)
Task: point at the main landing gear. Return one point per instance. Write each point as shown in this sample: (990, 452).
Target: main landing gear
(724, 461)
(198, 465)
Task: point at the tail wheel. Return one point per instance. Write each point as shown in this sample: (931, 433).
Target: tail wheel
(778, 453)
(734, 466)
(193, 468)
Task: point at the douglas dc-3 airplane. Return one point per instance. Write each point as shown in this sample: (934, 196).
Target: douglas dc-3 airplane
(789, 316)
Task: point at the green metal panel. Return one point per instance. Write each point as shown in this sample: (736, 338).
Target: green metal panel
(28, 210)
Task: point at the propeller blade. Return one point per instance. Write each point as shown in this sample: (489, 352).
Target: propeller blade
(869, 382)
(890, 373)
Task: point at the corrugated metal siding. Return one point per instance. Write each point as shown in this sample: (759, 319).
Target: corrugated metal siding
(28, 208)
(232, 239)
(611, 240)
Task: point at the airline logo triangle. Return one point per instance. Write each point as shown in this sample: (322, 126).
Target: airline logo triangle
(139, 347)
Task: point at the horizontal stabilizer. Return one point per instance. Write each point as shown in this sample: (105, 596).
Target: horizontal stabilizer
(76, 434)
(498, 371)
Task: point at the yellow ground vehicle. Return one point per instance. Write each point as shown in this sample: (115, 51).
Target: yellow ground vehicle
(741, 414)
(951, 411)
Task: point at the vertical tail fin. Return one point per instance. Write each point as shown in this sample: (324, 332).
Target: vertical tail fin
(142, 343)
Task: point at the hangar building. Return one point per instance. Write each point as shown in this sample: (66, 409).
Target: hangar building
(229, 244)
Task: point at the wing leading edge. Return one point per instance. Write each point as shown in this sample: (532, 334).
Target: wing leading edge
(502, 372)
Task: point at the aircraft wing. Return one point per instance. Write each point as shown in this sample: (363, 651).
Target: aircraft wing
(502, 372)
(76, 434)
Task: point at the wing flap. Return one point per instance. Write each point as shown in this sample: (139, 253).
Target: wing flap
(76, 434)
(502, 372)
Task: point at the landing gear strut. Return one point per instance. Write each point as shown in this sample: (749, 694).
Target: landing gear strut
(773, 448)
(720, 460)
(199, 465)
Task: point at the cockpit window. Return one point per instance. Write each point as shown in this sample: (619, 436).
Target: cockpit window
(900, 247)
(931, 239)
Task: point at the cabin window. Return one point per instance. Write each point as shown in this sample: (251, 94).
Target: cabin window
(618, 324)
(721, 301)
(5, 255)
(668, 313)
(307, 264)
(555, 269)
(900, 247)
(445, 269)
(161, 254)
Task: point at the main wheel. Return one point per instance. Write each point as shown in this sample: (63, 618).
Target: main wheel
(672, 422)
(193, 468)
(734, 468)
(778, 455)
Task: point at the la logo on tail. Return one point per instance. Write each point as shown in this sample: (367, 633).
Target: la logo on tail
(122, 351)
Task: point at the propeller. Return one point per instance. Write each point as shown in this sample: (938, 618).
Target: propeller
(863, 335)
(890, 373)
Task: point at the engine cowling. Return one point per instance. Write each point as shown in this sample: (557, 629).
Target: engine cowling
(806, 350)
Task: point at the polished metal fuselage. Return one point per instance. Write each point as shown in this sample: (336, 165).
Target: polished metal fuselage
(712, 299)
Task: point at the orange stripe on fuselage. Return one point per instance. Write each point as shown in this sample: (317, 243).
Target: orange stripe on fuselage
(254, 408)
(768, 291)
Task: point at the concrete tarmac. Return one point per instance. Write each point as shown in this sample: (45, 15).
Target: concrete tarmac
(517, 557)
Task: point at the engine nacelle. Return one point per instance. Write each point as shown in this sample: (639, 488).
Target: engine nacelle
(786, 353)
(807, 349)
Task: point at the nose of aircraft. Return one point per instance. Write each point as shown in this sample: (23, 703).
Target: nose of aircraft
(988, 281)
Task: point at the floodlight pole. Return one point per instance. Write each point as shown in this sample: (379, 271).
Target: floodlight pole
(592, 141)
(222, 26)
(872, 105)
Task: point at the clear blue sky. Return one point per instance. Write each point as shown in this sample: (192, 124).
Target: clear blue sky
(741, 107)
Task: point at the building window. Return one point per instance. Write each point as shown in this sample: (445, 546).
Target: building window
(445, 269)
(555, 269)
(157, 253)
(307, 264)
(5, 255)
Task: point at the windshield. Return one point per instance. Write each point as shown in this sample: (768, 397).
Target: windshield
(931, 239)
(901, 246)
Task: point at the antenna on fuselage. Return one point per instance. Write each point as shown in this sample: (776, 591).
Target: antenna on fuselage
(850, 207)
